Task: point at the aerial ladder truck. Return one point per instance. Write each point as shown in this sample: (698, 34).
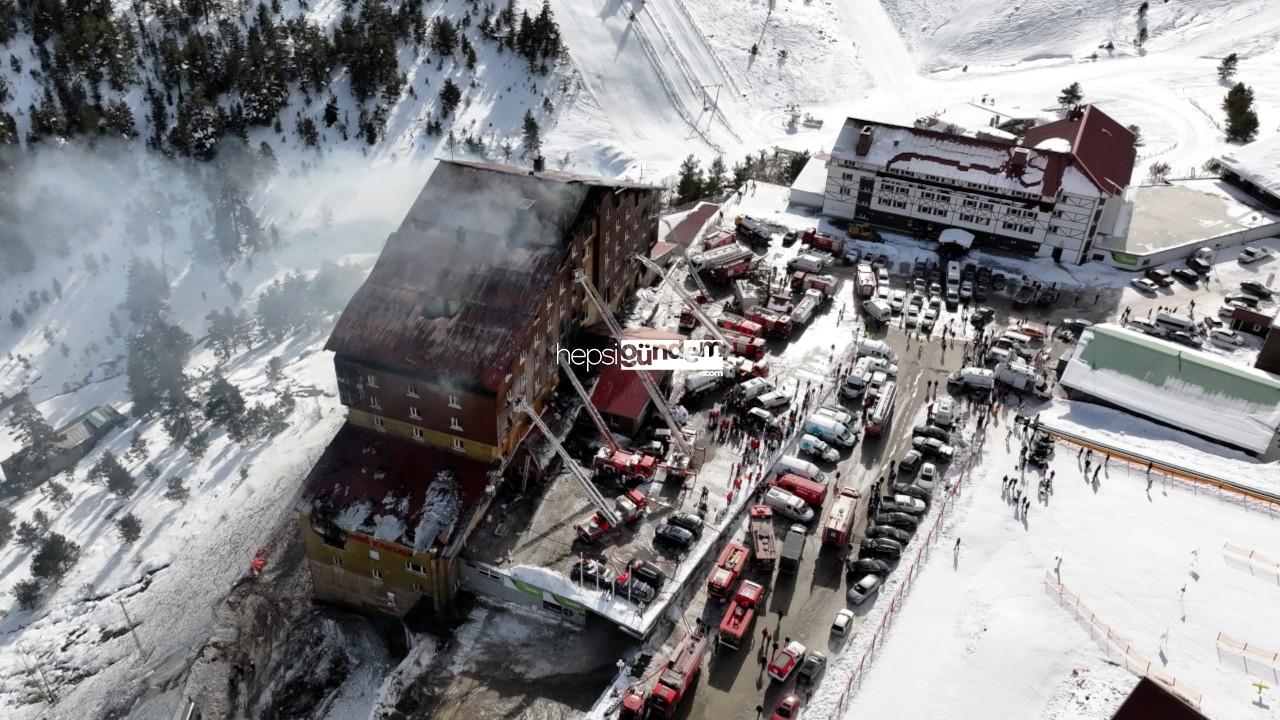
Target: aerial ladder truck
(609, 517)
(678, 465)
(631, 467)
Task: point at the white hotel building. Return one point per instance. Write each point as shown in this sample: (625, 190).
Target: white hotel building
(1052, 196)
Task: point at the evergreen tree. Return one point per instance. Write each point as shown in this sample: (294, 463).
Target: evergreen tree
(444, 36)
(129, 527)
(17, 319)
(30, 534)
(175, 490)
(155, 366)
(6, 526)
(1143, 8)
(1142, 36)
(223, 405)
(1242, 121)
(197, 445)
(227, 331)
(531, 137)
(450, 96)
(57, 493)
(38, 439)
(1227, 68)
(111, 473)
(716, 177)
(27, 593)
(1071, 95)
(55, 557)
(331, 111)
(689, 184)
(275, 370)
(137, 447)
(147, 294)
(177, 421)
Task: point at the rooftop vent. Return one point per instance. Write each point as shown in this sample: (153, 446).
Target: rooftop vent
(1018, 162)
(864, 141)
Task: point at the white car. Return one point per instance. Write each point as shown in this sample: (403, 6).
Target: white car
(1253, 254)
(811, 445)
(1144, 285)
(904, 503)
(897, 301)
(913, 316)
(878, 363)
(882, 293)
(928, 474)
(1225, 338)
(966, 290)
(930, 318)
(842, 624)
(864, 588)
(882, 276)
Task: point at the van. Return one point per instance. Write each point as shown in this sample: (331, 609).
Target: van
(809, 262)
(807, 490)
(953, 273)
(856, 381)
(829, 429)
(874, 348)
(972, 378)
(943, 412)
(754, 388)
(878, 309)
(1015, 339)
(838, 414)
(1174, 321)
(699, 384)
(796, 466)
(788, 505)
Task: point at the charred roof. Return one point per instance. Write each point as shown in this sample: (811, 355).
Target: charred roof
(454, 292)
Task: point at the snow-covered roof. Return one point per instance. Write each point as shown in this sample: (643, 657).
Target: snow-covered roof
(1188, 389)
(1054, 144)
(1258, 162)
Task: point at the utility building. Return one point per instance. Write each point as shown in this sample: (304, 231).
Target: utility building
(1051, 196)
(462, 313)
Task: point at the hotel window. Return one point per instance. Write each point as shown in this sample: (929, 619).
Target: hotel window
(337, 562)
(418, 434)
(454, 403)
(374, 555)
(457, 444)
(413, 413)
(371, 380)
(373, 402)
(454, 424)
(414, 567)
(411, 390)
(846, 191)
(391, 599)
(417, 588)
(376, 573)
(378, 422)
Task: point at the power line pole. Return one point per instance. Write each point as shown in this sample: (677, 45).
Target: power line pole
(49, 696)
(132, 633)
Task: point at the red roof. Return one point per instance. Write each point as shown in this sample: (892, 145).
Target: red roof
(691, 226)
(619, 392)
(1101, 147)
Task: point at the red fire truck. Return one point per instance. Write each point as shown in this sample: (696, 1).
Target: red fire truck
(728, 568)
(725, 273)
(752, 348)
(677, 677)
(629, 508)
(739, 324)
(720, 239)
(763, 542)
(737, 619)
(837, 528)
(688, 321)
(824, 241)
(776, 325)
(631, 467)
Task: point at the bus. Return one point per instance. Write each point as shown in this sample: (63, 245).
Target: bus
(882, 413)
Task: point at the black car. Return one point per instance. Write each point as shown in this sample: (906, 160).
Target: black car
(913, 490)
(931, 431)
(673, 536)
(688, 521)
(1248, 301)
(1183, 338)
(790, 237)
(889, 531)
(910, 462)
(648, 573)
(981, 316)
(1187, 275)
(1159, 277)
(884, 547)
(811, 669)
(627, 585)
(981, 291)
(898, 519)
(1256, 289)
(592, 572)
(1200, 266)
(862, 566)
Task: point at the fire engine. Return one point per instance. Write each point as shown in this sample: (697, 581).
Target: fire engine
(677, 676)
(739, 324)
(764, 543)
(626, 509)
(630, 467)
(776, 325)
(836, 529)
(727, 570)
(737, 619)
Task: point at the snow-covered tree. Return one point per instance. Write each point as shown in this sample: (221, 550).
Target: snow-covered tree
(38, 439)
(1227, 68)
(129, 527)
(111, 473)
(55, 557)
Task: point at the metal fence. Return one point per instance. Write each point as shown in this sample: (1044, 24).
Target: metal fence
(1117, 648)
(1248, 658)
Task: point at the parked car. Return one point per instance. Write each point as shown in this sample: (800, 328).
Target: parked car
(842, 623)
(865, 565)
(889, 531)
(816, 447)
(628, 585)
(673, 536)
(790, 237)
(785, 662)
(914, 491)
(910, 462)
(931, 431)
(884, 547)
(1201, 266)
(1183, 338)
(897, 519)
(1144, 285)
(913, 316)
(1256, 289)
(1248, 301)
(788, 708)
(897, 301)
(1159, 277)
(592, 572)
(966, 291)
(928, 476)
(981, 316)
(648, 573)
(811, 669)
(1225, 338)
(864, 589)
(1187, 275)
(1253, 254)
(688, 521)
(906, 504)
(932, 446)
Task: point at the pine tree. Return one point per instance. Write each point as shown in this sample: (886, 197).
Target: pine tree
(197, 445)
(689, 185)
(1227, 68)
(147, 293)
(175, 490)
(137, 447)
(17, 319)
(115, 476)
(223, 405)
(531, 137)
(55, 557)
(450, 96)
(1143, 8)
(31, 534)
(129, 527)
(57, 493)
(331, 111)
(155, 366)
(38, 439)
(1142, 36)
(6, 526)
(1242, 121)
(1071, 95)
(716, 178)
(27, 593)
